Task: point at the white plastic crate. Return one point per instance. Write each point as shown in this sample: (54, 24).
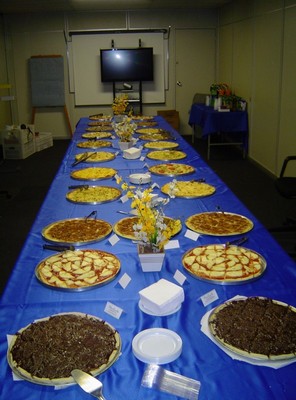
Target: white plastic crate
(18, 143)
(43, 140)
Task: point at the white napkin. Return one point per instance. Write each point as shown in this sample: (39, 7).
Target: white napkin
(234, 356)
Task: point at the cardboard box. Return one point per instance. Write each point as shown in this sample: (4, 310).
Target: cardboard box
(43, 140)
(18, 143)
(172, 117)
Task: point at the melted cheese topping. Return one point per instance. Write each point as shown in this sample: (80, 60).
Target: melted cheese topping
(93, 173)
(223, 263)
(190, 189)
(78, 269)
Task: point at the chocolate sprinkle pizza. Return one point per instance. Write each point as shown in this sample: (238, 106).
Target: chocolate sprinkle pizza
(256, 327)
(47, 350)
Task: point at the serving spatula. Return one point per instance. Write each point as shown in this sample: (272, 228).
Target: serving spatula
(88, 383)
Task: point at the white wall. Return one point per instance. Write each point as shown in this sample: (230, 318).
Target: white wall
(257, 57)
(38, 34)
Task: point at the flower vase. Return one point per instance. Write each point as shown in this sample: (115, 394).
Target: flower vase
(125, 145)
(150, 260)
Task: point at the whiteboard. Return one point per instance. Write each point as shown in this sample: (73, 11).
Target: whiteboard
(85, 80)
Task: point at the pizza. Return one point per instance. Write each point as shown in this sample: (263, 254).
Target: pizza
(99, 123)
(93, 173)
(161, 145)
(166, 155)
(219, 223)
(155, 136)
(222, 263)
(93, 144)
(124, 227)
(99, 117)
(145, 123)
(150, 131)
(99, 128)
(96, 156)
(171, 169)
(142, 117)
(96, 135)
(47, 350)
(256, 328)
(93, 194)
(189, 189)
(78, 269)
(77, 231)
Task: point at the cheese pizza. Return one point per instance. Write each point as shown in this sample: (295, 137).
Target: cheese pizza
(96, 135)
(189, 189)
(171, 169)
(96, 156)
(94, 144)
(155, 136)
(166, 155)
(219, 223)
(93, 194)
(221, 263)
(78, 269)
(93, 173)
(99, 128)
(161, 145)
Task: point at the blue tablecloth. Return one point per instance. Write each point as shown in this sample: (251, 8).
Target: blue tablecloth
(212, 121)
(221, 377)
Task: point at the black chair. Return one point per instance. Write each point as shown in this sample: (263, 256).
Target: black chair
(286, 185)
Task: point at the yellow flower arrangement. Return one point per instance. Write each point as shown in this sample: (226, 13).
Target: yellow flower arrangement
(151, 228)
(125, 129)
(121, 105)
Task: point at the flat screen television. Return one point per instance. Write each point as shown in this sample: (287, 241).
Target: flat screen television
(126, 64)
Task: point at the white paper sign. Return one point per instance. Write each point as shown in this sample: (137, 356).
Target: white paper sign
(124, 280)
(172, 244)
(179, 277)
(113, 310)
(191, 235)
(113, 239)
(209, 297)
(124, 198)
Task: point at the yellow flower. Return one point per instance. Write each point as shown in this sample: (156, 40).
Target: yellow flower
(150, 227)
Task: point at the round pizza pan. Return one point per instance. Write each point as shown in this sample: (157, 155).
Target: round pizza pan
(228, 282)
(76, 289)
(204, 232)
(94, 202)
(70, 379)
(171, 174)
(77, 243)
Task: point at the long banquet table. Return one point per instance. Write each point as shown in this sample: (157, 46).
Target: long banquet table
(221, 377)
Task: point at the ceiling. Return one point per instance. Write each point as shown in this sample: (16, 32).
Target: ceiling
(30, 6)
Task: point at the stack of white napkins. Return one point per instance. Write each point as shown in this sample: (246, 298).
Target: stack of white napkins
(132, 153)
(162, 297)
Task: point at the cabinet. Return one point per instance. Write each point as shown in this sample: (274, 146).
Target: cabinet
(134, 94)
